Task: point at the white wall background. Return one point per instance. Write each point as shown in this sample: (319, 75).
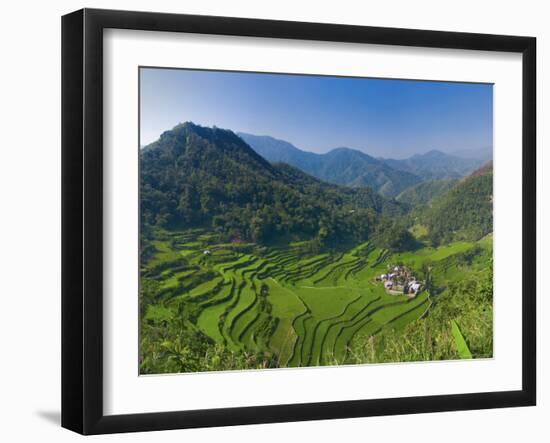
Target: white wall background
(30, 218)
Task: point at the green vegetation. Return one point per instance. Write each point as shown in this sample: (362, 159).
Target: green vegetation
(423, 193)
(244, 305)
(460, 281)
(203, 177)
(461, 345)
(465, 212)
(246, 264)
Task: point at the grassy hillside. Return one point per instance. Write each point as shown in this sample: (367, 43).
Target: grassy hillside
(248, 306)
(425, 192)
(459, 323)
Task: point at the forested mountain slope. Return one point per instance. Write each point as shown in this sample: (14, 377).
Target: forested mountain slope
(209, 177)
(424, 192)
(465, 212)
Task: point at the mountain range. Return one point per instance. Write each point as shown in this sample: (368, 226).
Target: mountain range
(210, 177)
(195, 176)
(483, 154)
(436, 165)
(355, 168)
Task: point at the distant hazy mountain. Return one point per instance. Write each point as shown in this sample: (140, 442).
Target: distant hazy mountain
(281, 151)
(483, 154)
(341, 166)
(436, 165)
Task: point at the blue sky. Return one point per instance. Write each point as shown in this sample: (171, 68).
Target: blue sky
(388, 118)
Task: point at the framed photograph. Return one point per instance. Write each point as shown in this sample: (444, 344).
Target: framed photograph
(268, 221)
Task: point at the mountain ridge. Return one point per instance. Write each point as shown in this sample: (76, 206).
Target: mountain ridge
(436, 165)
(352, 167)
(197, 176)
(342, 165)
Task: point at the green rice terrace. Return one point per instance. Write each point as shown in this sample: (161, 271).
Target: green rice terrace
(256, 306)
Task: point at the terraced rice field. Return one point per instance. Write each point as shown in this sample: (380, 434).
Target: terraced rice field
(303, 308)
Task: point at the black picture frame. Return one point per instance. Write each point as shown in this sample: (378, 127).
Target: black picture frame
(82, 218)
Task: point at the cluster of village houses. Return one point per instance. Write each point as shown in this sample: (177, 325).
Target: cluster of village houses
(399, 280)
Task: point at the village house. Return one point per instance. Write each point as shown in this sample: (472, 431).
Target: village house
(400, 280)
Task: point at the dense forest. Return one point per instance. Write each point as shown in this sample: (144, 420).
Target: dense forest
(195, 177)
(465, 212)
